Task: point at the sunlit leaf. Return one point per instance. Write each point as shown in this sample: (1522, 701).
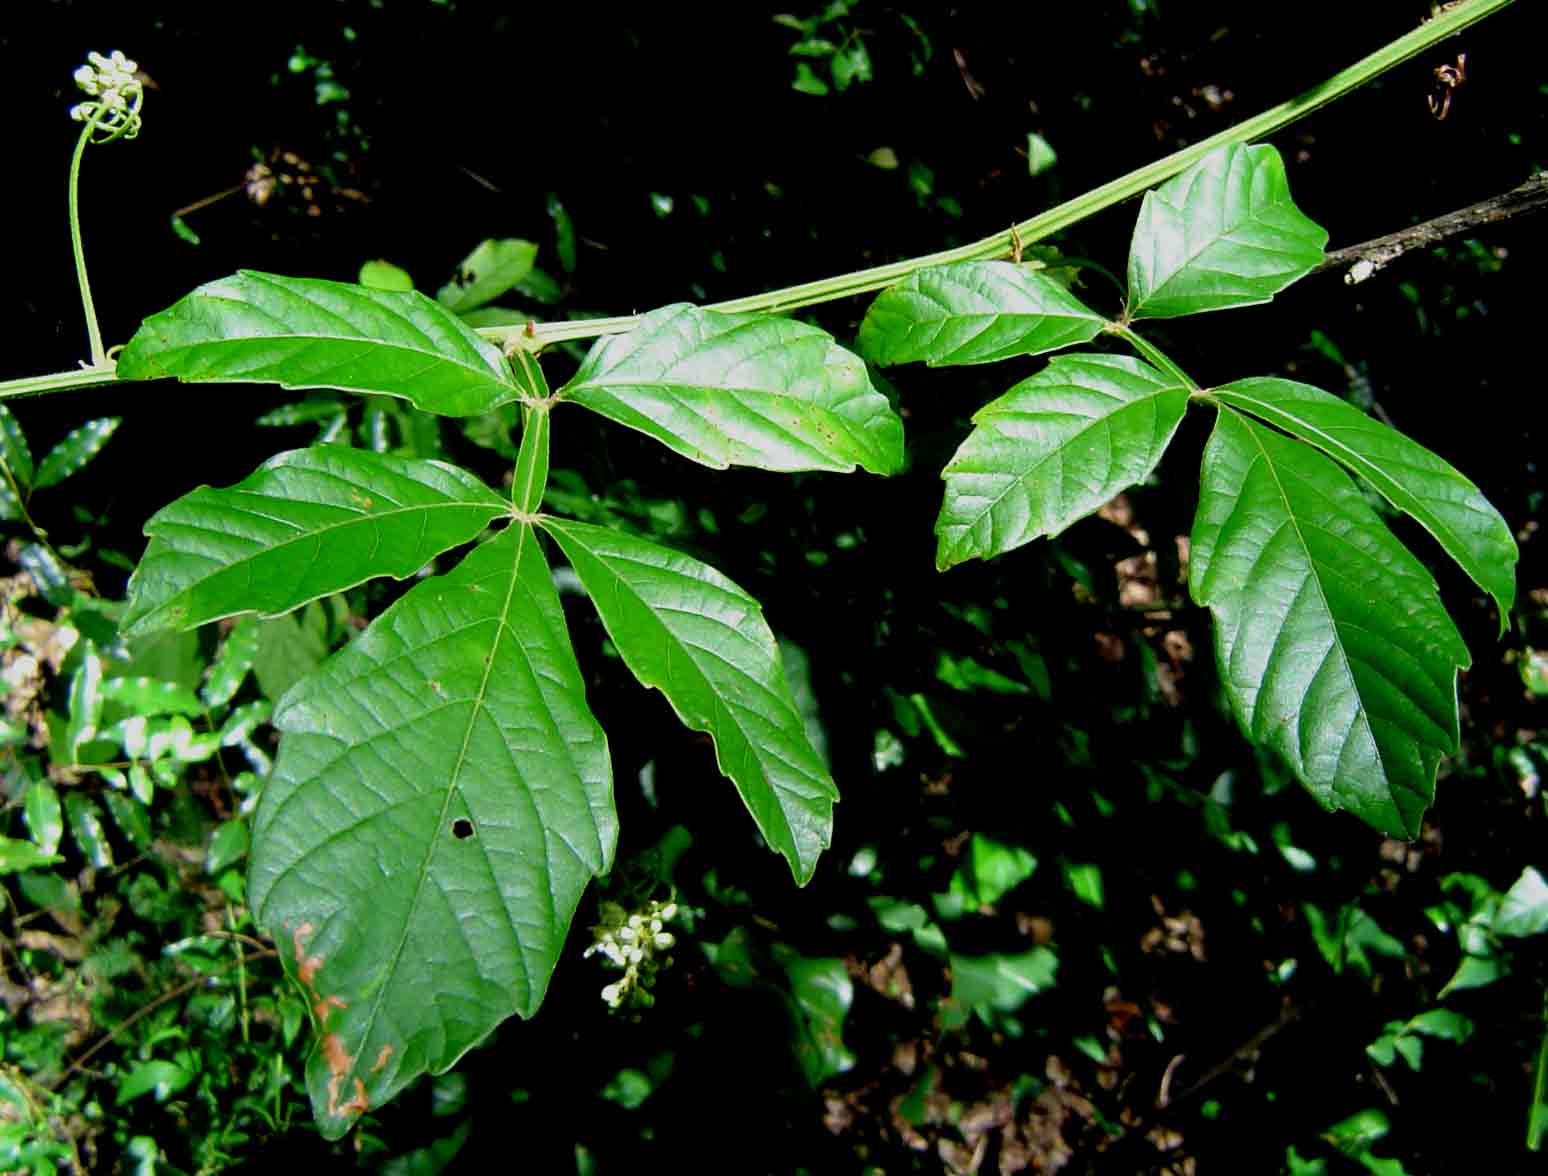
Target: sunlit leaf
(685, 629)
(973, 312)
(1223, 233)
(1052, 450)
(750, 390)
(1404, 472)
(17, 855)
(442, 797)
(306, 523)
(489, 271)
(232, 663)
(383, 275)
(71, 454)
(45, 819)
(305, 333)
(1334, 648)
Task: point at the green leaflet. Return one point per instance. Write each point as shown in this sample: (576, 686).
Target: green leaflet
(973, 312)
(1404, 472)
(14, 448)
(442, 797)
(1052, 450)
(71, 454)
(489, 271)
(727, 389)
(1333, 645)
(305, 524)
(1224, 233)
(306, 333)
(685, 629)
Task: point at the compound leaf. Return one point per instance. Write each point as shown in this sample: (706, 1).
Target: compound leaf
(442, 797)
(1404, 472)
(1224, 233)
(1333, 645)
(685, 629)
(726, 389)
(1052, 450)
(306, 333)
(306, 523)
(973, 312)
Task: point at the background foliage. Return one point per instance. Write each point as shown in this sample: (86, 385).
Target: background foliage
(1057, 867)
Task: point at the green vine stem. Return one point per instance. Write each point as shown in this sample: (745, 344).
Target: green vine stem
(93, 331)
(1153, 354)
(1437, 29)
(532, 336)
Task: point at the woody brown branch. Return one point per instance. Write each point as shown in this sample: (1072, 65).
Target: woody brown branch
(1363, 260)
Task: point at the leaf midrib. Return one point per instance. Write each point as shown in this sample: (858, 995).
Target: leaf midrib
(497, 508)
(1093, 422)
(434, 841)
(688, 651)
(1338, 640)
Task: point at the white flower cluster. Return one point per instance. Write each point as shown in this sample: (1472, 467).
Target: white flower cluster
(637, 942)
(117, 92)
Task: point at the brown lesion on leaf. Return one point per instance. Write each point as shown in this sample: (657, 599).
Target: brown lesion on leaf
(358, 1105)
(326, 1005)
(306, 970)
(334, 1054)
(339, 1062)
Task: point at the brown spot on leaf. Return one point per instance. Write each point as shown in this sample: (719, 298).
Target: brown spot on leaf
(334, 1055)
(358, 1105)
(307, 971)
(381, 1058)
(462, 828)
(326, 1005)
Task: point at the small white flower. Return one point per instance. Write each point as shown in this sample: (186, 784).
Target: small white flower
(668, 912)
(613, 993)
(664, 941)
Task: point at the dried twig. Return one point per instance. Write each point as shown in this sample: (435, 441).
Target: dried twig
(1363, 260)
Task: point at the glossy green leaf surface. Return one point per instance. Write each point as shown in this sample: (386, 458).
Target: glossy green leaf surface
(973, 312)
(1402, 471)
(442, 797)
(306, 523)
(686, 630)
(71, 454)
(1052, 450)
(1334, 647)
(306, 333)
(489, 271)
(1224, 233)
(750, 390)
